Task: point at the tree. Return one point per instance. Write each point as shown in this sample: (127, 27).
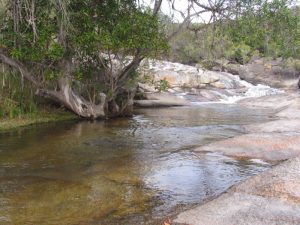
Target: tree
(84, 54)
(271, 27)
(239, 30)
(81, 54)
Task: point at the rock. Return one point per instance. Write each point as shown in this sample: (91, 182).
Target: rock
(271, 198)
(275, 140)
(283, 125)
(146, 88)
(160, 100)
(273, 102)
(267, 146)
(292, 112)
(208, 77)
(189, 77)
(227, 66)
(228, 81)
(209, 95)
(276, 73)
(232, 68)
(179, 75)
(219, 84)
(246, 73)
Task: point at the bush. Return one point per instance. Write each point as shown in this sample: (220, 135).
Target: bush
(207, 64)
(240, 53)
(16, 97)
(296, 65)
(162, 85)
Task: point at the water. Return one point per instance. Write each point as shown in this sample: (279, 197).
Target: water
(254, 91)
(124, 171)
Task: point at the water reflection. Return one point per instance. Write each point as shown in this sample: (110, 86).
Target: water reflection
(125, 171)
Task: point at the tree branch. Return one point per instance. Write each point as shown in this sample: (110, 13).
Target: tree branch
(20, 67)
(157, 6)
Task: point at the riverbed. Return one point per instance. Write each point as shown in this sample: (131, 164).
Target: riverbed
(131, 171)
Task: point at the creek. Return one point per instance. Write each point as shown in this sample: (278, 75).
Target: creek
(135, 170)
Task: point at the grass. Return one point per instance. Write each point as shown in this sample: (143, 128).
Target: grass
(40, 117)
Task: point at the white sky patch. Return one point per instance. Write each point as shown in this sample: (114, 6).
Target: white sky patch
(180, 5)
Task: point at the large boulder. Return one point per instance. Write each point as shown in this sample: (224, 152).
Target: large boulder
(179, 75)
(275, 73)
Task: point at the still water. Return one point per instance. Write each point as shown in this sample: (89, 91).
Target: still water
(124, 171)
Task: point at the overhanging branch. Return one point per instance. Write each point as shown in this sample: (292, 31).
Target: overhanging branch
(20, 67)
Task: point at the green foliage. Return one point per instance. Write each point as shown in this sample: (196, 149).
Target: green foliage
(116, 27)
(262, 28)
(271, 27)
(51, 75)
(162, 85)
(207, 64)
(84, 32)
(56, 52)
(296, 65)
(240, 53)
(15, 101)
(133, 80)
(186, 47)
(293, 63)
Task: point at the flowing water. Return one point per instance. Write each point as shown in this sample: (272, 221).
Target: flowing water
(123, 171)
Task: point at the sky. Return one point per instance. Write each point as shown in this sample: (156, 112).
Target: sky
(182, 5)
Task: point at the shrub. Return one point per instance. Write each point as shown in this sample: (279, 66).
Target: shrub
(162, 85)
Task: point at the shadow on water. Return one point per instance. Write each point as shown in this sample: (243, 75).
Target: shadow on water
(123, 171)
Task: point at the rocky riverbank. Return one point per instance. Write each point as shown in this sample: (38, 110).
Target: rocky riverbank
(273, 197)
(277, 73)
(165, 83)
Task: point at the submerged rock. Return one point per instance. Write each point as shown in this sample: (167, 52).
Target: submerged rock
(267, 146)
(271, 198)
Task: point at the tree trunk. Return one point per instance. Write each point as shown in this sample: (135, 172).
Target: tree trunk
(74, 102)
(121, 105)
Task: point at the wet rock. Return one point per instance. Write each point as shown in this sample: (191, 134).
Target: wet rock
(219, 85)
(283, 125)
(271, 198)
(160, 100)
(274, 102)
(267, 146)
(293, 111)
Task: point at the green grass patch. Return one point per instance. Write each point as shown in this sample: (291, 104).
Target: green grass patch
(40, 117)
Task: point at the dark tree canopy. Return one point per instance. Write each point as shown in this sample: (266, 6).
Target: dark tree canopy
(82, 54)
